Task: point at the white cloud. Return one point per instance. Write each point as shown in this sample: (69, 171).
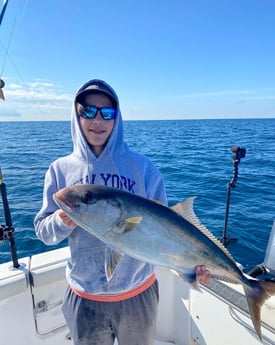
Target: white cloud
(38, 91)
(38, 100)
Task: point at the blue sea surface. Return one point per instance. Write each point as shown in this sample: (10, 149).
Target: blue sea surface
(194, 157)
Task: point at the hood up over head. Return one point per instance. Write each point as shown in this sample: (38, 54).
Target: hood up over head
(115, 144)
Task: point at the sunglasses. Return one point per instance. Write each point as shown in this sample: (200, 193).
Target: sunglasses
(90, 111)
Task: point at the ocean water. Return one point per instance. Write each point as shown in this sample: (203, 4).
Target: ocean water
(194, 157)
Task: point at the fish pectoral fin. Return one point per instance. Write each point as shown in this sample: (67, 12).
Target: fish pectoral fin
(112, 258)
(128, 224)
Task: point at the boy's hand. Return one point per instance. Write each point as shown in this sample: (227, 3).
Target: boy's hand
(202, 274)
(65, 218)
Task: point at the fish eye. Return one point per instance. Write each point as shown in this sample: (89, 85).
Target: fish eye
(88, 198)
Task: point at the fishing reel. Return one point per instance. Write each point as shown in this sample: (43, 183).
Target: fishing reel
(5, 232)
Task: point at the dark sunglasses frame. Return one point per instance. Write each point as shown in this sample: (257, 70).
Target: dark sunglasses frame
(90, 112)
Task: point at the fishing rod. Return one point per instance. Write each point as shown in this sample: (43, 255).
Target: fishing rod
(5, 4)
(237, 154)
(6, 231)
(2, 83)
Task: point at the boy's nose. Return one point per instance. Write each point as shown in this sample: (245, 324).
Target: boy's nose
(98, 116)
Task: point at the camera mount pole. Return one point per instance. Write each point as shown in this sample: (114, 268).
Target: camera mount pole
(6, 231)
(237, 154)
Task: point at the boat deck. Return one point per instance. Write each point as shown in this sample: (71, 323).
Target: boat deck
(31, 298)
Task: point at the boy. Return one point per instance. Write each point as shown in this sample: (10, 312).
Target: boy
(98, 311)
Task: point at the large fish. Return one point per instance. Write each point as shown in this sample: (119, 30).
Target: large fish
(163, 236)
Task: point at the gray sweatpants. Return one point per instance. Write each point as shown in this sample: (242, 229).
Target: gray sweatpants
(132, 321)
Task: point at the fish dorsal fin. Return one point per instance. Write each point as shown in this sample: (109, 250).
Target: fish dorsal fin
(112, 258)
(185, 209)
(128, 224)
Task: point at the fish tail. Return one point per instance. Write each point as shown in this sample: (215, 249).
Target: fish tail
(256, 295)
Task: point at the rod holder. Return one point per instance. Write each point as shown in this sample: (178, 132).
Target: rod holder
(237, 154)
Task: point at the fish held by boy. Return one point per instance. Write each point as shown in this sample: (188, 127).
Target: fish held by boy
(151, 232)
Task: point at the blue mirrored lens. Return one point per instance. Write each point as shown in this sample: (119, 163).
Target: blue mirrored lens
(89, 112)
(108, 113)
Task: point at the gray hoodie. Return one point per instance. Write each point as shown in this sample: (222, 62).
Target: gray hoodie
(117, 167)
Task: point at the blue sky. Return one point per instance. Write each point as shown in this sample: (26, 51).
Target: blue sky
(174, 59)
